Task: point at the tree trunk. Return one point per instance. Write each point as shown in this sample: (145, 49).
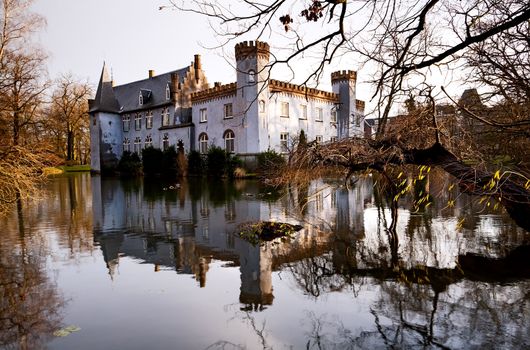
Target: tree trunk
(70, 145)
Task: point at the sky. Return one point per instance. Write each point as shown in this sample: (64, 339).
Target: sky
(134, 36)
(131, 36)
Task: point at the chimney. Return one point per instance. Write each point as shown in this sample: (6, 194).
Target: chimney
(197, 66)
(151, 73)
(175, 85)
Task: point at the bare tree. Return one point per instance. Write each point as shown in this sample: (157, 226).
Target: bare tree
(405, 40)
(68, 117)
(22, 87)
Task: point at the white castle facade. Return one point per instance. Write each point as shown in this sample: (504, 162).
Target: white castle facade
(252, 115)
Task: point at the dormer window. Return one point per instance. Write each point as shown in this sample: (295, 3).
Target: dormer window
(251, 76)
(144, 96)
(168, 92)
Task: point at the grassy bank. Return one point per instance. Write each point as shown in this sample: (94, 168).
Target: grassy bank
(66, 169)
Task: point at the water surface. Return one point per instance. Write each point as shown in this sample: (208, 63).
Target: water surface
(150, 265)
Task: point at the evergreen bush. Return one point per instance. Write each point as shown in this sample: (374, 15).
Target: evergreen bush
(152, 160)
(130, 164)
(169, 162)
(217, 161)
(195, 163)
(270, 161)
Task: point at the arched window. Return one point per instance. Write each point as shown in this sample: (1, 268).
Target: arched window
(203, 143)
(168, 92)
(251, 76)
(140, 99)
(229, 141)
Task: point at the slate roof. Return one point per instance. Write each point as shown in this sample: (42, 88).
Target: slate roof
(125, 98)
(153, 90)
(105, 100)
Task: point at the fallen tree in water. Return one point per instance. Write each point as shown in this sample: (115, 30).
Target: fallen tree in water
(414, 142)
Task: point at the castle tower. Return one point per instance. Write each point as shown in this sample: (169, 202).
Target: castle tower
(105, 125)
(251, 103)
(348, 118)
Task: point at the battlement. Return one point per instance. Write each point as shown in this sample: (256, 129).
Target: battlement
(359, 105)
(282, 86)
(218, 91)
(247, 49)
(343, 75)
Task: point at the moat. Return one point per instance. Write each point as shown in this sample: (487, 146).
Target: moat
(106, 263)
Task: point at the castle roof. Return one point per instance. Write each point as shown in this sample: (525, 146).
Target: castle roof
(125, 98)
(105, 100)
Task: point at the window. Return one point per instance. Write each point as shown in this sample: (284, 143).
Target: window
(140, 99)
(358, 119)
(138, 121)
(168, 92)
(251, 76)
(137, 145)
(318, 139)
(165, 116)
(284, 138)
(319, 115)
(285, 109)
(229, 141)
(319, 201)
(126, 120)
(303, 111)
(333, 116)
(203, 115)
(149, 120)
(333, 139)
(148, 141)
(228, 110)
(165, 142)
(203, 143)
(261, 106)
(126, 145)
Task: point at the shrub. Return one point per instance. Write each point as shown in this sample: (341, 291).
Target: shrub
(195, 163)
(232, 163)
(270, 161)
(169, 162)
(217, 161)
(152, 160)
(130, 164)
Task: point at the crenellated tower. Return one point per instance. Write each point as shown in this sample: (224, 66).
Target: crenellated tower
(349, 121)
(252, 100)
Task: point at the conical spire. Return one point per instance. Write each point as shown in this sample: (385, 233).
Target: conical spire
(105, 100)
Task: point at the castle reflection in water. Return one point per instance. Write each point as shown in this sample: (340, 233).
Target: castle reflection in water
(188, 227)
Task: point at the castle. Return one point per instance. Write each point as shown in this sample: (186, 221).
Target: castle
(252, 115)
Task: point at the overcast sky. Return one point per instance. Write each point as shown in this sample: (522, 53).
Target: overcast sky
(132, 36)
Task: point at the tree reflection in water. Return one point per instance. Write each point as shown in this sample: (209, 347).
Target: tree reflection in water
(30, 305)
(468, 305)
